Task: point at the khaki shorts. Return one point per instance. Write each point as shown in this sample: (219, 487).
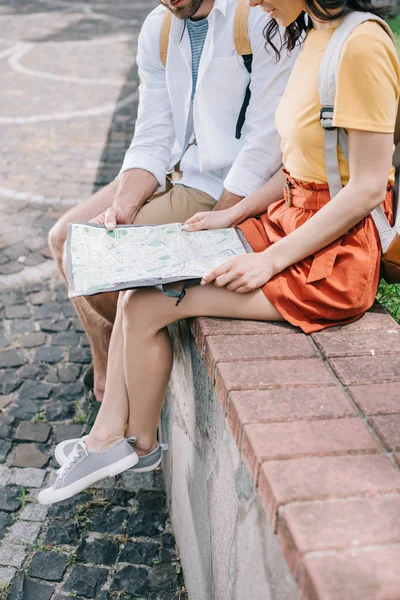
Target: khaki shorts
(174, 206)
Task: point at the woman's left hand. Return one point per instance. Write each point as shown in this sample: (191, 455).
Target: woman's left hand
(243, 273)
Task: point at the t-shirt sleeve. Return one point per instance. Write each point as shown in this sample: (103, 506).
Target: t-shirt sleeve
(368, 82)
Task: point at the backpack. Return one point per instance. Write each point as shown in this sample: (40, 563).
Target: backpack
(327, 79)
(242, 45)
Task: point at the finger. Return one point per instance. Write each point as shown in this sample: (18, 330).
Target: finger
(226, 279)
(197, 217)
(110, 218)
(212, 275)
(243, 289)
(194, 226)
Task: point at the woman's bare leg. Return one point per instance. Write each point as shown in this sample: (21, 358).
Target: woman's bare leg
(148, 350)
(113, 415)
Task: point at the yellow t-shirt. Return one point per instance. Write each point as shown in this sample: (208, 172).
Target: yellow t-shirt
(366, 97)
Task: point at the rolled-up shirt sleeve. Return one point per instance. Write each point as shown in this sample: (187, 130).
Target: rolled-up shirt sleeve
(261, 156)
(154, 132)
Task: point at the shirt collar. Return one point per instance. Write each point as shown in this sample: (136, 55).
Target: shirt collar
(221, 5)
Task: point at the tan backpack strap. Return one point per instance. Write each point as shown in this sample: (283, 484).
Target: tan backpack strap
(242, 42)
(164, 36)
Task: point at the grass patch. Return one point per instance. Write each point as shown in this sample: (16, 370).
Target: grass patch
(389, 297)
(4, 589)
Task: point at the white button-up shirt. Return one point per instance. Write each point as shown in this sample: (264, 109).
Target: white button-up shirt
(218, 160)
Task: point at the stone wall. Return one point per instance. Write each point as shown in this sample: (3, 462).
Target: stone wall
(228, 549)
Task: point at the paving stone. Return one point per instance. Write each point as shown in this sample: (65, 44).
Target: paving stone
(12, 555)
(9, 499)
(11, 358)
(51, 354)
(53, 326)
(21, 326)
(80, 355)
(163, 577)
(67, 338)
(5, 447)
(4, 341)
(109, 521)
(359, 575)
(10, 268)
(58, 410)
(29, 589)
(31, 340)
(152, 501)
(131, 481)
(26, 409)
(119, 497)
(28, 455)
(367, 369)
(145, 523)
(33, 371)
(47, 310)
(5, 401)
(85, 581)
(271, 441)
(297, 480)
(33, 432)
(52, 376)
(48, 565)
(13, 297)
(6, 574)
(25, 532)
(33, 512)
(42, 297)
(377, 399)
(68, 310)
(28, 478)
(358, 343)
(139, 553)
(9, 381)
(68, 373)
(34, 390)
(388, 427)
(132, 580)
(69, 391)
(5, 522)
(5, 475)
(19, 311)
(6, 424)
(66, 432)
(77, 325)
(99, 551)
(61, 532)
(67, 508)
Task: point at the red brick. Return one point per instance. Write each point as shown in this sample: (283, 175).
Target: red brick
(381, 398)
(368, 369)
(231, 348)
(318, 478)
(264, 374)
(371, 574)
(388, 427)
(358, 343)
(371, 320)
(204, 326)
(273, 441)
(290, 404)
(338, 524)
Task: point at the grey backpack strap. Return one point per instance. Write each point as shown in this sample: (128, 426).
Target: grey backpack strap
(174, 293)
(333, 136)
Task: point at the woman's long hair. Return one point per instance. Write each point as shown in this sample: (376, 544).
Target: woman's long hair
(323, 10)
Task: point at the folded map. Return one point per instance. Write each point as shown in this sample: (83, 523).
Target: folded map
(136, 256)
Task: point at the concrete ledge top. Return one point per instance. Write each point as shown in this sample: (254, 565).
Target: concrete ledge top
(317, 421)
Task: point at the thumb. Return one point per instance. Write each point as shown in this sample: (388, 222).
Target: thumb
(110, 218)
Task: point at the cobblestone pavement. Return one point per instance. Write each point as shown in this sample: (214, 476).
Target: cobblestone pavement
(67, 107)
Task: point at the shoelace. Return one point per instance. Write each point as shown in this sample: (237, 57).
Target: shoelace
(71, 459)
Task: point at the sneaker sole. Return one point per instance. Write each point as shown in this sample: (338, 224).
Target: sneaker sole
(60, 458)
(51, 496)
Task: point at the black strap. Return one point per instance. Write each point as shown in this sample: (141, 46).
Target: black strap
(179, 295)
(248, 62)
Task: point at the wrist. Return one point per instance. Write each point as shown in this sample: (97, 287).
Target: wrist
(273, 259)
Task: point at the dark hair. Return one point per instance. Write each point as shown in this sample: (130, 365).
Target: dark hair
(324, 10)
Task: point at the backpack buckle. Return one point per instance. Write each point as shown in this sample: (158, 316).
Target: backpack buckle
(326, 118)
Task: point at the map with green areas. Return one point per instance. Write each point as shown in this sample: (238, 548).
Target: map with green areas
(135, 256)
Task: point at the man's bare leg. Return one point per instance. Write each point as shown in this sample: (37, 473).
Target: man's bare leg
(97, 313)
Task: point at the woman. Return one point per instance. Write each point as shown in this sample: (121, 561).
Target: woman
(316, 262)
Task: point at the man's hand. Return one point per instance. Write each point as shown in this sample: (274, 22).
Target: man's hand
(227, 200)
(209, 220)
(112, 217)
(242, 274)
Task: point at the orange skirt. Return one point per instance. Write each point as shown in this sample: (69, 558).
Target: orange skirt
(332, 287)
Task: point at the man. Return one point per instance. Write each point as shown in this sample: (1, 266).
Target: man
(188, 115)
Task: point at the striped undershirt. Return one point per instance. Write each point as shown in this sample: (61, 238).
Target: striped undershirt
(197, 33)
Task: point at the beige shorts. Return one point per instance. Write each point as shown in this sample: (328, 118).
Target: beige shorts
(174, 206)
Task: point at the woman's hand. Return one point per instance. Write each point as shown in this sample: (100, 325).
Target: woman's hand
(215, 219)
(243, 273)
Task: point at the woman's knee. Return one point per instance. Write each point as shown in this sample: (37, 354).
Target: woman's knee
(137, 309)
